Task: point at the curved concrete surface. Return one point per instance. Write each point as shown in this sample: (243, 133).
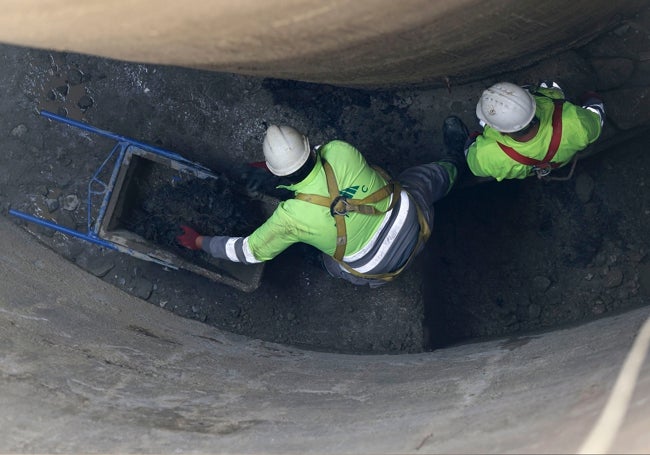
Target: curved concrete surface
(343, 42)
(87, 368)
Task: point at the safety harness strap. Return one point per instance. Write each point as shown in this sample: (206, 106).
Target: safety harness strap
(340, 206)
(542, 167)
(425, 233)
(341, 231)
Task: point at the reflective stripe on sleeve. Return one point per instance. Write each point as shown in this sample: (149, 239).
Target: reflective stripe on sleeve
(248, 254)
(238, 250)
(231, 251)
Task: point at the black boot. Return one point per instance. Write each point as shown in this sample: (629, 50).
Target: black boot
(455, 135)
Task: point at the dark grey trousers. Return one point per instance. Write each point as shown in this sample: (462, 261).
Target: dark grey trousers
(426, 184)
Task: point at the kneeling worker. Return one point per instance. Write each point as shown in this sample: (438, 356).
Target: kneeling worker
(531, 132)
(367, 226)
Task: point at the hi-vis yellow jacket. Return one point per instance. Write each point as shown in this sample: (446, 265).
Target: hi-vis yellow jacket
(580, 127)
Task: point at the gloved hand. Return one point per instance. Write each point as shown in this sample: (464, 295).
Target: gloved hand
(188, 238)
(257, 178)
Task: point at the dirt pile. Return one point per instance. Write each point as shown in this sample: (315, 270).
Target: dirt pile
(210, 206)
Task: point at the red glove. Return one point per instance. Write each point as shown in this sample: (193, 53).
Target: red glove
(188, 238)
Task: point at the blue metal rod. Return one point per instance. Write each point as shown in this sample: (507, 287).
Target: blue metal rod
(117, 137)
(62, 229)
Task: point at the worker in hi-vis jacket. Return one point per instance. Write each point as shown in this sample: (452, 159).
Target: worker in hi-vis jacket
(367, 225)
(530, 130)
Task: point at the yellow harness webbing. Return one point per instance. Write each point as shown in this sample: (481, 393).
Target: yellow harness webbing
(339, 206)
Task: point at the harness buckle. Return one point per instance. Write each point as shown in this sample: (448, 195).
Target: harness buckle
(542, 170)
(338, 211)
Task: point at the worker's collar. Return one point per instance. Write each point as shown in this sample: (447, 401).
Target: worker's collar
(528, 132)
(318, 165)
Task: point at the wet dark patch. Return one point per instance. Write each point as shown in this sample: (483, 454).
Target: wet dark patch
(324, 102)
(149, 333)
(214, 340)
(66, 94)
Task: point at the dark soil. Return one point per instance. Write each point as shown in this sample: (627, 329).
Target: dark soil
(505, 259)
(538, 255)
(163, 199)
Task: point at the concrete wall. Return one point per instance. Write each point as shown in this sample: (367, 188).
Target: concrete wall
(344, 42)
(87, 368)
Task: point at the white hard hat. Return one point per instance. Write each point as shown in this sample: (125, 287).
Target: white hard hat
(285, 149)
(506, 107)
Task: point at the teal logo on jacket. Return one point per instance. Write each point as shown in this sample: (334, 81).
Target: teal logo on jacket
(349, 192)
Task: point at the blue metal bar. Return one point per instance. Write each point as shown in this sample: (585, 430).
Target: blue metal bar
(63, 229)
(119, 138)
(92, 239)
